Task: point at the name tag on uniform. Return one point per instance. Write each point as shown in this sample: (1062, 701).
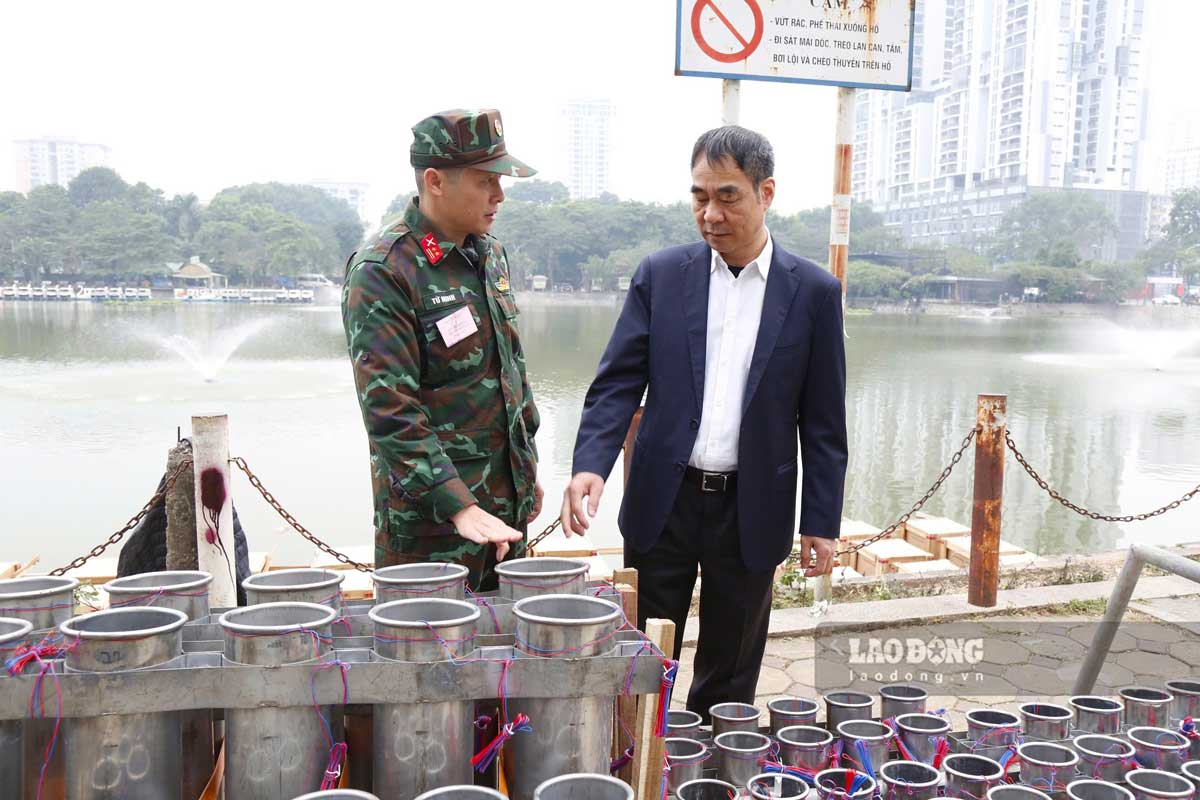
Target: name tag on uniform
(457, 326)
(442, 298)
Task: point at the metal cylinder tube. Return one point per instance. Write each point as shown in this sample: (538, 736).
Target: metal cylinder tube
(124, 756)
(583, 787)
(1097, 790)
(1104, 758)
(1046, 721)
(908, 780)
(901, 698)
(435, 579)
(338, 794)
(1158, 748)
(1096, 714)
(1191, 771)
(530, 577)
(684, 724)
(831, 785)
(865, 744)
(842, 706)
(14, 634)
(788, 711)
(922, 735)
(1145, 706)
(1187, 699)
(423, 746)
(1016, 791)
(276, 753)
(462, 793)
(186, 591)
(570, 735)
(738, 754)
(774, 786)
(320, 586)
(42, 600)
(1047, 766)
(1155, 784)
(706, 789)
(987, 727)
(970, 776)
(805, 746)
(686, 758)
(727, 717)
(182, 590)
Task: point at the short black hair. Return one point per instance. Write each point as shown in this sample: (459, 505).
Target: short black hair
(451, 173)
(749, 149)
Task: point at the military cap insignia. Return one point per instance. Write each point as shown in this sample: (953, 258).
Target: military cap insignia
(499, 130)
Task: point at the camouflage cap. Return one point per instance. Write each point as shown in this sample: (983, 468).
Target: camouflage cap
(461, 138)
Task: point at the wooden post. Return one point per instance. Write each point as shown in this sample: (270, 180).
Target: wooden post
(648, 752)
(625, 582)
(214, 507)
(990, 421)
(839, 211)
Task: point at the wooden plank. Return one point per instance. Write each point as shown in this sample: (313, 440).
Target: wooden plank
(853, 530)
(362, 553)
(260, 560)
(560, 546)
(626, 711)
(649, 756)
(958, 550)
(28, 565)
(96, 571)
(881, 557)
(916, 567)
(929, 533)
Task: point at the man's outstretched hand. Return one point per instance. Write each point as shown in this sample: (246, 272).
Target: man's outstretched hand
(583, 484)
(476, 525)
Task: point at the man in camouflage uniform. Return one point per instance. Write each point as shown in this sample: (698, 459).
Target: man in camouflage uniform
(431, 325)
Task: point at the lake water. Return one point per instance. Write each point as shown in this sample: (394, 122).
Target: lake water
(91, 396)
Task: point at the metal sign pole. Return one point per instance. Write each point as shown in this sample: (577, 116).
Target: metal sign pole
(731, 101)
(839, 212)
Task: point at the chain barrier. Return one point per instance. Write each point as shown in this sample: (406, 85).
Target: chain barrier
(133, 523)
(240, 463)
(795, 558)
(792, 560)
(1008, 440)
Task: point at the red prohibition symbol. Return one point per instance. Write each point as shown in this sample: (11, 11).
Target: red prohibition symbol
(749, 45)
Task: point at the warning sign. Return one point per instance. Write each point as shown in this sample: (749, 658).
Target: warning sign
(861, 43)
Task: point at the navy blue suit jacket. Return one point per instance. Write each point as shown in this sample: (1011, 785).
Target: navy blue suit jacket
(795, 391)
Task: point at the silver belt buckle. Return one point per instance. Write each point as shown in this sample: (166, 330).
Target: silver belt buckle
(705, 486)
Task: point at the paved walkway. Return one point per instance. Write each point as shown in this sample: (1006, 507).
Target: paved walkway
(1025, 656)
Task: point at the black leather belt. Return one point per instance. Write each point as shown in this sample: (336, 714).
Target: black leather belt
(717, 482)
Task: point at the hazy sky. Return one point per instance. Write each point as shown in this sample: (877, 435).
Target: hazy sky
(198, 96)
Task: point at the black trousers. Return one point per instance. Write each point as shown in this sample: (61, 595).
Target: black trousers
(735, 602)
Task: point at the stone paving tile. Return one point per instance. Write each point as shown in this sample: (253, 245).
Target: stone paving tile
(1188, 652)
(1151, 664)
(772, 681)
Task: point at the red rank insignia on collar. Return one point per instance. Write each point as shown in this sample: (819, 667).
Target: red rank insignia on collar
(433, 251)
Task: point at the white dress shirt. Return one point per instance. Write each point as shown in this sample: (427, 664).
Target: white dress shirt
(734, 311)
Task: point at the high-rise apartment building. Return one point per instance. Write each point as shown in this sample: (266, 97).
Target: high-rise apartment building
(589, 149)
(55, 161)
(1009, 97)
(1181, 166)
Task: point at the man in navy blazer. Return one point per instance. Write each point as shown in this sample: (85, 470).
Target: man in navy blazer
(740, 346)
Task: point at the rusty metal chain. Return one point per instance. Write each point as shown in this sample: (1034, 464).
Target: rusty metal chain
(133, 523)
(794, 558)
(240, 463)
(535, 541)
(1008, 440)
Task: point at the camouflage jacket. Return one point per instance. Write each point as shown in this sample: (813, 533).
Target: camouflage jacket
(448, 426)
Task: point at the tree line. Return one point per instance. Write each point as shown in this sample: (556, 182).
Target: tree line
(101, 227)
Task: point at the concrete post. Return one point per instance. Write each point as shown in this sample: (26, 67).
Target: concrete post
(214, 507)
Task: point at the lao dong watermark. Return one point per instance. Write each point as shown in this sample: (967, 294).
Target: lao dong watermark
(914, 659)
